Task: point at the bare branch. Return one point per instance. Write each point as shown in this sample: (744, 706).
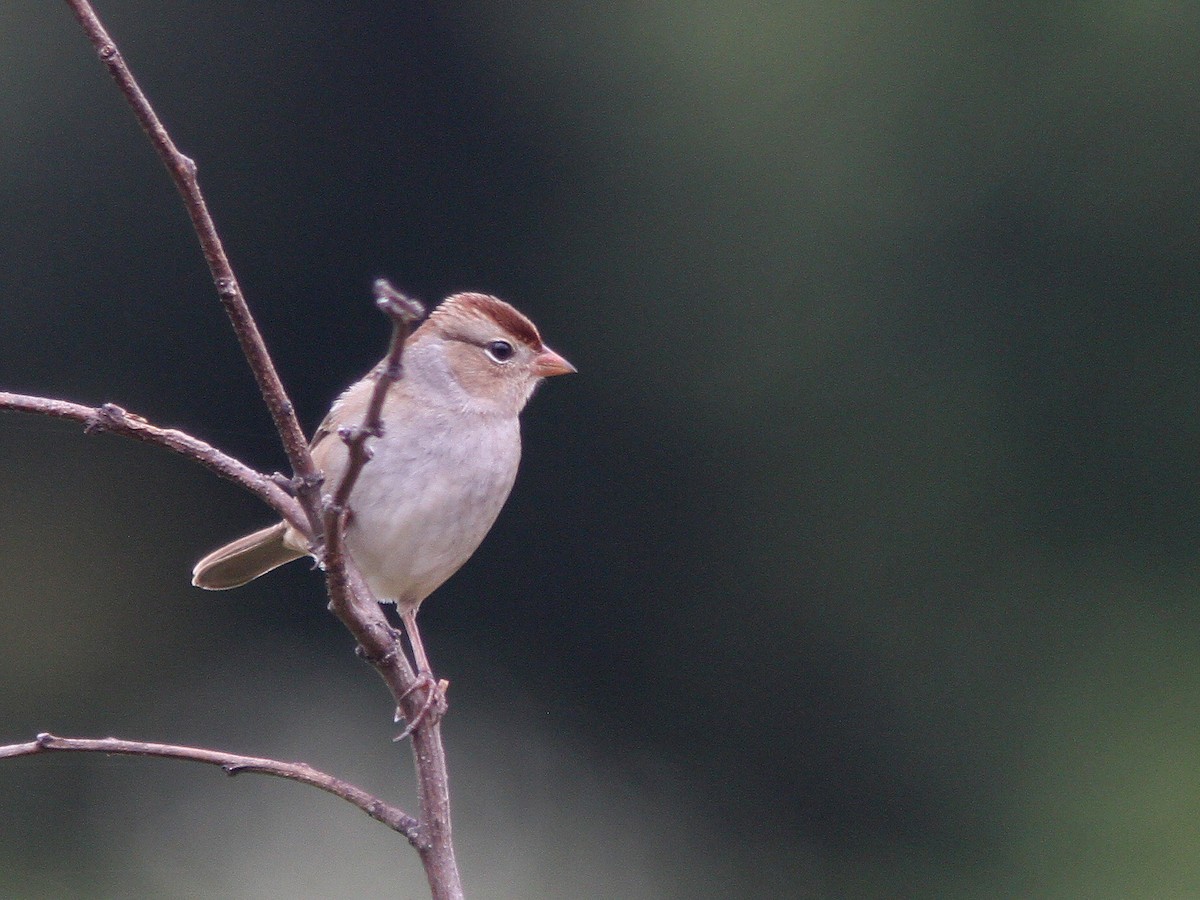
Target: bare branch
(403, 311)
(433, 783)
(351, 600)
(233, 764)
(113, 419)
(183, 172)
(355, 606)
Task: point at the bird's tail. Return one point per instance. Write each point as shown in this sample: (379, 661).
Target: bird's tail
(245, 559)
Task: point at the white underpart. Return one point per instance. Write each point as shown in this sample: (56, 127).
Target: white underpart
(429, 496)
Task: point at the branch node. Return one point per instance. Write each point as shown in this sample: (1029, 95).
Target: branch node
(354, 434)
(378, 661)
(226, 285)
(398, 307)
(419, 839)
(309, 482)
(104, 417)
(283, 482)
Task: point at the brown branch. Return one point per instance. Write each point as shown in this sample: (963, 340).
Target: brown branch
(378, 643)
(351, 600)
(433, 790)
(393, 818)
(377, 640)
(113, 419)
(404, 313)
(183, 173)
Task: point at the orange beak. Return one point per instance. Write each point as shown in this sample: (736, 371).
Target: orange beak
(549, 363)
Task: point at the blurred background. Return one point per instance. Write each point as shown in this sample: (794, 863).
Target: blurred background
(859, 560)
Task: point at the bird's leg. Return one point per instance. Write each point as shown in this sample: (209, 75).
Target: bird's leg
(414, 638)
(434, 704)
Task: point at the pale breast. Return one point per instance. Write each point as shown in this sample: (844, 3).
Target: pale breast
(427, 499)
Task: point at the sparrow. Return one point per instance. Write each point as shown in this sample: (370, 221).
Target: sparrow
(441, 471)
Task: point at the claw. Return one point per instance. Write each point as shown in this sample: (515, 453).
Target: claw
(432, 708)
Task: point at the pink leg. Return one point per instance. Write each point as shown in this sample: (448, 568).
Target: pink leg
(414, 637)
(435, 697)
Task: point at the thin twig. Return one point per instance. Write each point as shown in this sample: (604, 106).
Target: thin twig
(376, 638)
(347, 589)
(233, 764)
(433, 792)
(183, 173)
(113, 419)
(351, 600)
(403, 312)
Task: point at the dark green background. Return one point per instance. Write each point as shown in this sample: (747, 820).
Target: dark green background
(859, 560)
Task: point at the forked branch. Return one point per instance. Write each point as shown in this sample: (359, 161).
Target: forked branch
(404, 312)
(351, 599)
(183, 173)
(359, 612)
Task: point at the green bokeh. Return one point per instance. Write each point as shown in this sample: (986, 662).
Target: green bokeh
(859, 560)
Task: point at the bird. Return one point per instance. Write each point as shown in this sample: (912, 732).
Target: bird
(440, 472)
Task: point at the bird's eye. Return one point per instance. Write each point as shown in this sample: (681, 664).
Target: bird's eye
(500, 351)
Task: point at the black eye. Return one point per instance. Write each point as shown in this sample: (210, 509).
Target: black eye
(500, 351)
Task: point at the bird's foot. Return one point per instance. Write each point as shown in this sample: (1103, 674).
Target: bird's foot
(432, 706)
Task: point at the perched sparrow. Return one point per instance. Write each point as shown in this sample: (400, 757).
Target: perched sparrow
(442, 469)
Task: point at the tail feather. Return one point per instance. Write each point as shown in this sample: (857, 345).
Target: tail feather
(245, 559)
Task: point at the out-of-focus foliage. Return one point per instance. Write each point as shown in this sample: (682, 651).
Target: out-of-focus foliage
(860, 558)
